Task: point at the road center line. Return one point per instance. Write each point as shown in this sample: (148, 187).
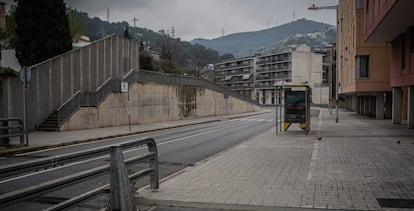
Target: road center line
(104, 140)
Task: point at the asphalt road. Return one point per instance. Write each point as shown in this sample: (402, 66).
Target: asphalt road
(178, 148)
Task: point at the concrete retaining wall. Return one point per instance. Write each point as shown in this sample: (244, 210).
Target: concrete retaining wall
(156, 103)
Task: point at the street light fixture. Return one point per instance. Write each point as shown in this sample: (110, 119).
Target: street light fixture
(335, 7)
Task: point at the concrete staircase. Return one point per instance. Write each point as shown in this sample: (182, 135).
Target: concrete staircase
(51, 124)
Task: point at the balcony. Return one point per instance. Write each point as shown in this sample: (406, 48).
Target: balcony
(232, 73)
(230, 67)
(241, 87)
(273, 60)
(271, 70)
(236, 79)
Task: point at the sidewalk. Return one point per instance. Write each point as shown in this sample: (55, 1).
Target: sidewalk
(42, 140)
(347, 166)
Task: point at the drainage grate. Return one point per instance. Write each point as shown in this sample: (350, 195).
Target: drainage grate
(396, 203)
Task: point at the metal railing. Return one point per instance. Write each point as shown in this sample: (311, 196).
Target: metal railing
(165, 78)
(116, 169)
(11, 127)
(89, 99)
(71, 105)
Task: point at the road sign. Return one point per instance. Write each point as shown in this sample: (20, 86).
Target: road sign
(124, 86)
(25, 74)
(279, 82)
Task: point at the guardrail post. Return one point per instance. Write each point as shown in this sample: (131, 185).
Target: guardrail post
(121, 192)
(153, 162)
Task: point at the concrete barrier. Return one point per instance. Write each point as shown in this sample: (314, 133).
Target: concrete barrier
(156, 103)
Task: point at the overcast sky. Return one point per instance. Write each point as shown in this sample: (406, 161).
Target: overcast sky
(206, 18)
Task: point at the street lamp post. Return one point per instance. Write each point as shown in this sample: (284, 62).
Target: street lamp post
(335, 7)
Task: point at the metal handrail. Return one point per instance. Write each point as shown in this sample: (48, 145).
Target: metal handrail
(68, 100)
(103, 84)
(126, 76)
(10, 130)
(50, 186)
(143, 76)
(85, 99)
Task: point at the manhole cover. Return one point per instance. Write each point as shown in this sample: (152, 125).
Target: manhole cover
(396, 203)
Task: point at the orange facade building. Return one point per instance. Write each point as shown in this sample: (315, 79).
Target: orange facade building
(392, 21)
(364, 68)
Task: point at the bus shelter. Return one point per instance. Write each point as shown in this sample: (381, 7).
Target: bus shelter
(296, 106)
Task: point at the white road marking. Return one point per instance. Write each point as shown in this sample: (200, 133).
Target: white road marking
(80, 144)
(314, 157)
(106, 156)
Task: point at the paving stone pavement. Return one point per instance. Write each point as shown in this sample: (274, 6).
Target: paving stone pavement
(355, 162)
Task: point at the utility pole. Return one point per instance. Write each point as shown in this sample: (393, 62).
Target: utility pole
(172, 31)
(107, 14)
(135, 20)
(222, 32)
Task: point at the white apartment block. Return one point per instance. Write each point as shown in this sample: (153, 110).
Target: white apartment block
(255, 76)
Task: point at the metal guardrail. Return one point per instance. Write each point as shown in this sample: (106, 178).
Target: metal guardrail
(117, 171)
(11, 127)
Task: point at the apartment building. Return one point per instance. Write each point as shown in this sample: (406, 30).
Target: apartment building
(237, 75)
(255, 76)
(363, 67)
(392, 21)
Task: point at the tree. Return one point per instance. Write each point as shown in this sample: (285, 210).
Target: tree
(126, 32)
(8, 37)
(226, 56)
(145, 59)
(42, 30)
(77, 21)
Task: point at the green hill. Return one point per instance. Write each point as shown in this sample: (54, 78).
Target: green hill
(249, 43)
(182, 56)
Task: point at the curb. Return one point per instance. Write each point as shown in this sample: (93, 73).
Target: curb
(11, 152)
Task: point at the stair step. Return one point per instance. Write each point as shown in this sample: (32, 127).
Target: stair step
(51, 121)
(48, 129)
(49, 125)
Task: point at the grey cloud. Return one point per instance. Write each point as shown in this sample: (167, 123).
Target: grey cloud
(205, 18)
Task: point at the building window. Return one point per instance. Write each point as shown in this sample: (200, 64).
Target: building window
(359, 4)
(368, 13)
(412, 40)
(361, 67)
(403, 52)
